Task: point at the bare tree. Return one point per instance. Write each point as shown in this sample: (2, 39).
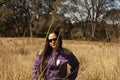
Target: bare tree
(113, 16)
(95, 9)
(88, 10)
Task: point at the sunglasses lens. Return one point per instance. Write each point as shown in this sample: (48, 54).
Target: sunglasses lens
(50, 40)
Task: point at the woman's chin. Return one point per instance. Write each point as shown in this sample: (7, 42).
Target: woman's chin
(53, 47)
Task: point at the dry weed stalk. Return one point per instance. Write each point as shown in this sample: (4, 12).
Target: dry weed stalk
(103, 68)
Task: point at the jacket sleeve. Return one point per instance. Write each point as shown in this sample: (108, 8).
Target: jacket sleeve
(35, 69)
(74, 63)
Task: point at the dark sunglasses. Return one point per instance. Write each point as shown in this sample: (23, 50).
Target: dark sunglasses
(54, 39)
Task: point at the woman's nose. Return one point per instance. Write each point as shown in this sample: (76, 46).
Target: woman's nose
(53, 41)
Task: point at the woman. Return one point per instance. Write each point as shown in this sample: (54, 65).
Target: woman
(51, 62)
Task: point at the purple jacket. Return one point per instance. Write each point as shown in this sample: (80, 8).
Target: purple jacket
(58, 66)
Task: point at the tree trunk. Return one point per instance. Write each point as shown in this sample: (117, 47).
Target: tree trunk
(30, 28)
(107, 34)
(93, 29)
(24, 32)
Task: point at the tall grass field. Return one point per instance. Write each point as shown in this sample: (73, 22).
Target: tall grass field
(98, 61)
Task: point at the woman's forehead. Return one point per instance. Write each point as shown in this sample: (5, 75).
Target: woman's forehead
(52, 35)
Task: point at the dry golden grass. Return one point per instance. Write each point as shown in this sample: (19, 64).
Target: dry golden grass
(98, 61)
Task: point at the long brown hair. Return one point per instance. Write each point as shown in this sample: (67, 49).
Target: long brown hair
(48, 49)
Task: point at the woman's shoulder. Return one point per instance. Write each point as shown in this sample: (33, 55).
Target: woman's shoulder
(66, 51)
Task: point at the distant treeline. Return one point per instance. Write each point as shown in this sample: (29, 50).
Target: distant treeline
(96, 20)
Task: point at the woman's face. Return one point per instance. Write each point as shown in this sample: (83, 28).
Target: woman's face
(53, 41)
